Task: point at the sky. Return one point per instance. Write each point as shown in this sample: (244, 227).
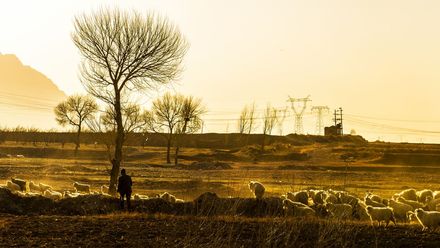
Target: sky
(378, 60)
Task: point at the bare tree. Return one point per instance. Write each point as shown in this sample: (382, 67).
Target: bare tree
(189, 120)
(270, 119)
(125, 51)
(246, 122)
(165, 116)
(74, 111)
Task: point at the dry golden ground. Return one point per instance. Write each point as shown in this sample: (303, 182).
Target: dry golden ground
(140, 230)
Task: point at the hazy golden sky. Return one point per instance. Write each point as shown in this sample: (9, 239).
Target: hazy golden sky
(377, 59)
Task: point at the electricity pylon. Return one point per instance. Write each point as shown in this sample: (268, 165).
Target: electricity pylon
(320, 111)
(299, 111)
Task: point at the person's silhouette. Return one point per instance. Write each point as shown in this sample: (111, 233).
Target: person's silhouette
(124, 189)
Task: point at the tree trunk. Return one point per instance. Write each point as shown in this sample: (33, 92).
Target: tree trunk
(176, 155)
(78, 142)
(118, 144)
(169, 148)
(263, 143)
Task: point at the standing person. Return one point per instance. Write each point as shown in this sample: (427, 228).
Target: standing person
(124, 189)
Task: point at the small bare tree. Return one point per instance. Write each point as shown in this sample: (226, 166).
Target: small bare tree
(270, 119)
(189, 120)
(246, 121)
(165, 116)
(125, 51)
(282, 114)
(74, 111)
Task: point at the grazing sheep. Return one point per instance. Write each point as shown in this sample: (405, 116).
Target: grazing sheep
(34, 187)
(433, 204)
(374, 197)
(340, 211)
(257, 188)
(104, 189)
(318, 196)
(423, 194)
(12, 186)
(408, 194)
(331, 198)
(381, 214)
(297, 209)
(400, 210)
(168, 197)
(67, 194)
(300, 196)
(348, 199)
(372, 203)
(81, 187)
(411, 217)
(138, 197)
(360, 211)
(54, 195)
(180, 201)
(414, 204)
(20, 182)
(428, 219)
(19, 156)
(44, 187)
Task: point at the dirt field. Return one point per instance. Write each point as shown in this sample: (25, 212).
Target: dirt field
(377, 167)
(139, 230)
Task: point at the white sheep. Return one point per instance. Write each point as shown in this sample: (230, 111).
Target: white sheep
(44, 187)
(380, 214)
(340, 211)
(331, 198)
(138, 197)
(67, 194)
(300, 196)
(414, 204)
(400, 210)
(348, 199)
(297, 209)
(12, 186)
(257, 188)
(81, 187)
(20, 182)
(408, 194)
(428, 219)
(168, 197)
(370, 202)
(374, 197)
(34, 187)
(318, 196)
(433, 204)
(54, 195)
(105, 189)
(423, 194)
(180, 201)
(361, 211)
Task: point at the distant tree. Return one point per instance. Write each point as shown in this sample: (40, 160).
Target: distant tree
(74, 111)
(165, 116)
(270, 119)
(282, 114)
(246, 121)
(126, 51)
(133, 118)
(189, 120)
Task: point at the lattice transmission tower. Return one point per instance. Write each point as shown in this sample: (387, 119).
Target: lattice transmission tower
(320, 111)
(298, 110)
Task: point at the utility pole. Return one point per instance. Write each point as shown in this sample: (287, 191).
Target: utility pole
(299, 111)
(338, 121)
(320, 111)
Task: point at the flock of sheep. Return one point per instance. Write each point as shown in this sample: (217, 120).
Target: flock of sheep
(407, 206)
(24, 188)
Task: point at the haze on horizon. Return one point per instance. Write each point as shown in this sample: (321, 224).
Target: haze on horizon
(378, 60)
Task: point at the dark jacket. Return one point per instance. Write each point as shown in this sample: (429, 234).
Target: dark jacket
(124, 184)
